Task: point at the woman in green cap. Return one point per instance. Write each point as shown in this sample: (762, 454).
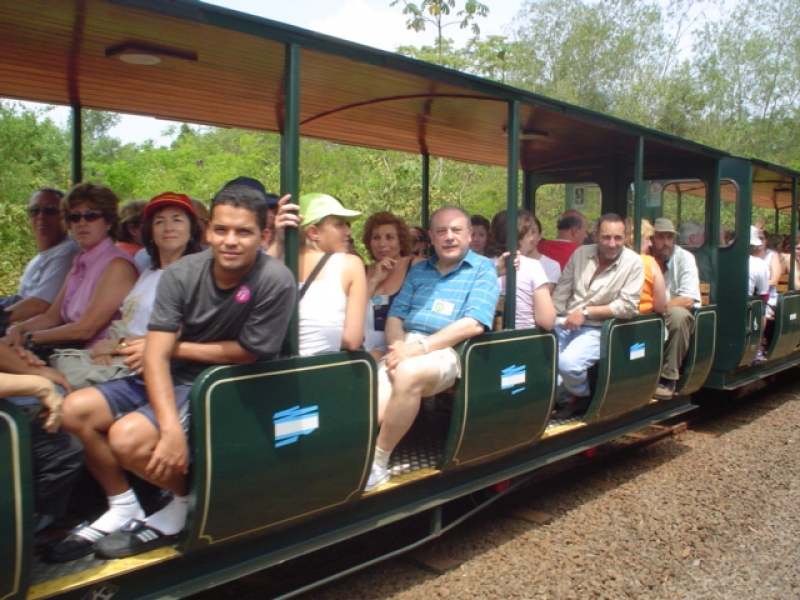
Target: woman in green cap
(332, 283)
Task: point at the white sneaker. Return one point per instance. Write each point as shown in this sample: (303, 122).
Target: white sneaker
(378, 476)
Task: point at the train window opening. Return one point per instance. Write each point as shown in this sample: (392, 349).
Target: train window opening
(684, 203)
(555, 198)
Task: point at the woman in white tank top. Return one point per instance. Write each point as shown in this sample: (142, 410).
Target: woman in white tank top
(333, 307)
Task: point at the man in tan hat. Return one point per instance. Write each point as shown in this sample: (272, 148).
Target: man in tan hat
(683, 294)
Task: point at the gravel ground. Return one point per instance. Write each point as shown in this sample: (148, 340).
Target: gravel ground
(711, 513)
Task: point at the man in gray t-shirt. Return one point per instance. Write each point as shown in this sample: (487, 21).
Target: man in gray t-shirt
(230, 304)
(190, 300)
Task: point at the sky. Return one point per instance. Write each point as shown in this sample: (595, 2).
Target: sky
(370, 22)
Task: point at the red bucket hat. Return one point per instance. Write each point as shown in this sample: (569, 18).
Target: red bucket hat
(169, 199)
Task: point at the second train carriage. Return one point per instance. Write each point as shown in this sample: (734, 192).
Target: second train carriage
(294, 436)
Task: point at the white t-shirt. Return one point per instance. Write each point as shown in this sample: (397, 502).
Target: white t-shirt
(530, 277)
(138, 304)
(759, 277)
(551, 268)
(45, 273)
(773, 289)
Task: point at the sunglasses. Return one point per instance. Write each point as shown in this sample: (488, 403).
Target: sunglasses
(419, 239)
(50, 210)
(89, 215)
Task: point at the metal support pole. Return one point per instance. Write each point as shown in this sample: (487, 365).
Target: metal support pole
(528, 200)
(638, 193)
(290, 168)
(77, 144)
(713, 217)
(426, 191)
(512, 189)
(792, 252)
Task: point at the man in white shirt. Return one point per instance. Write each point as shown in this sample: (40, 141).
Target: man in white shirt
(683, 293)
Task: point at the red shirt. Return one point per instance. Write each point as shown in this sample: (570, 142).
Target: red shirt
(558, 250)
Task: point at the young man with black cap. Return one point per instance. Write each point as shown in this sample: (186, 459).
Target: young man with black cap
(270, 199)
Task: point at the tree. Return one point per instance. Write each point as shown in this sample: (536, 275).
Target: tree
(444, 54)
(750, 66)
(437, 13)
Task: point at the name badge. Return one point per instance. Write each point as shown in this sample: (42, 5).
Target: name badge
(380, 300)
(442, 307)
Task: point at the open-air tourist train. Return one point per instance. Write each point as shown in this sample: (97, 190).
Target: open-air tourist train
(282, 449)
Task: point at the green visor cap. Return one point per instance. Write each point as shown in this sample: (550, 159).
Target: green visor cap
(315, 207)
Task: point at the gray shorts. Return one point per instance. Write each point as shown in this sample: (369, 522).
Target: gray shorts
(129, 395)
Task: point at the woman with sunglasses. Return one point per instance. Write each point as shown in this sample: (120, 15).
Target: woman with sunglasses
(100, 278)
(170, 230)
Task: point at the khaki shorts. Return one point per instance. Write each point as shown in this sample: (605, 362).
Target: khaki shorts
(446, 359)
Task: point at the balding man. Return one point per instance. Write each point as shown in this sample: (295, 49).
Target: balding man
(445, 300)
(572, 226)
(45, 273)
(692, 236)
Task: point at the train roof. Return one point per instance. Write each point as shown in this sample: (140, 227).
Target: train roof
(225, 68)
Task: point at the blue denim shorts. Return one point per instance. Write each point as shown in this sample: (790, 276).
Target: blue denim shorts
(129, 395)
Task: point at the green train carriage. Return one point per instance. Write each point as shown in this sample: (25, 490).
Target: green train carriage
(295, 436)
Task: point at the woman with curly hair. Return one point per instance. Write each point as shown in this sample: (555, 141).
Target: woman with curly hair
(388, 242)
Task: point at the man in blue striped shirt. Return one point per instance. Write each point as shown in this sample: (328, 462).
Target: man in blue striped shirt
(444, 300)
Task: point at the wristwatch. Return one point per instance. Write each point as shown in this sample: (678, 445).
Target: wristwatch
(28, 342)
(585, 312)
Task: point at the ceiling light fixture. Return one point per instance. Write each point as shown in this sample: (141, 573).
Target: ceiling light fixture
(134, 53)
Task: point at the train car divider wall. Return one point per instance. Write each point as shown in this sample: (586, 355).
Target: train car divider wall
(631, 352)
(16, 502)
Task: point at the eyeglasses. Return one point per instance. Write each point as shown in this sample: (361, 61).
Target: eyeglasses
(419, 238)
(50, 210)
(90, 216)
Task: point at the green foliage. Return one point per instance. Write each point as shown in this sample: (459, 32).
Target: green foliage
(437, 13)
(33, 153)
(730, 79)
(17, 243)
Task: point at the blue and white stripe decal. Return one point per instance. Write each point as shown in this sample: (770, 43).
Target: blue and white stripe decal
(290, 424)
(637, 351)
(511, 377)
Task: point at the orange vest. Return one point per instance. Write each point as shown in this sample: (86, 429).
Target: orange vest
(646, 301)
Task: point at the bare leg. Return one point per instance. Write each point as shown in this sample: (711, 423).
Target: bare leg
(413, 378)
(133, 439)
(88, 416)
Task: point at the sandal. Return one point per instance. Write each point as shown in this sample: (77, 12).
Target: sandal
(135, 537)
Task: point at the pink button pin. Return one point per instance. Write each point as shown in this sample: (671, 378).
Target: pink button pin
(243, 294)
